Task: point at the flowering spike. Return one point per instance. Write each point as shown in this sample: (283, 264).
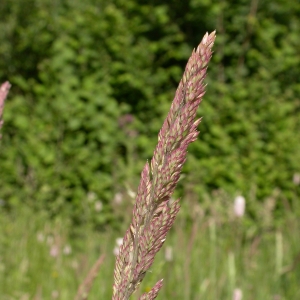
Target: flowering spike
(154, 213)
(154, 291)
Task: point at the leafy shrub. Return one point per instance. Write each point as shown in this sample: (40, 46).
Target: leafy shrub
(89, 74)
(92, 81)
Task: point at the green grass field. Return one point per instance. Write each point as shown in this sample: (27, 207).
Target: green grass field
(207, 255)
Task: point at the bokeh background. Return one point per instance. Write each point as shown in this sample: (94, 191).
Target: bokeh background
(92, 82)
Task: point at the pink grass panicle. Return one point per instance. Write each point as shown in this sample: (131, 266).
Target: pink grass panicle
(154, 211)
(3, 94)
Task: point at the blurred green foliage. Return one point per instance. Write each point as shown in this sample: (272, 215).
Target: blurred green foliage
(93, 80)
(207, 260)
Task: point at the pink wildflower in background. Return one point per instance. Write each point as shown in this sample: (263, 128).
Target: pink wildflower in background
(54, 250)
(237, 294)
(239, 206)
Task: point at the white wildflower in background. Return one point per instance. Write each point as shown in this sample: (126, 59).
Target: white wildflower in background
(237, 294)
(116, 251)
(91, 196)
(98, 206)
(55, 294)
(169, 253)
(118, 198)
(239, 206)
(40, 237)
(67, 250)
(119, 242)
(296, 179)
(131, 193)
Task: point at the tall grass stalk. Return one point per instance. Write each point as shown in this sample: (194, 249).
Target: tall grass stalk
(85, 288)
(154, 211)
(3, 94)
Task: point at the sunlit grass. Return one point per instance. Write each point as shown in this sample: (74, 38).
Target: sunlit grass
(207, 255)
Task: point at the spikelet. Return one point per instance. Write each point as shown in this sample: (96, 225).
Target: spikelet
(154, 212)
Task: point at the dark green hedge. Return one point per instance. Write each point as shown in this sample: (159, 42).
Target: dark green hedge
(93, 80)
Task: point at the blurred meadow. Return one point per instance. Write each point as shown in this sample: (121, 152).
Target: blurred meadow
(92, 82)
